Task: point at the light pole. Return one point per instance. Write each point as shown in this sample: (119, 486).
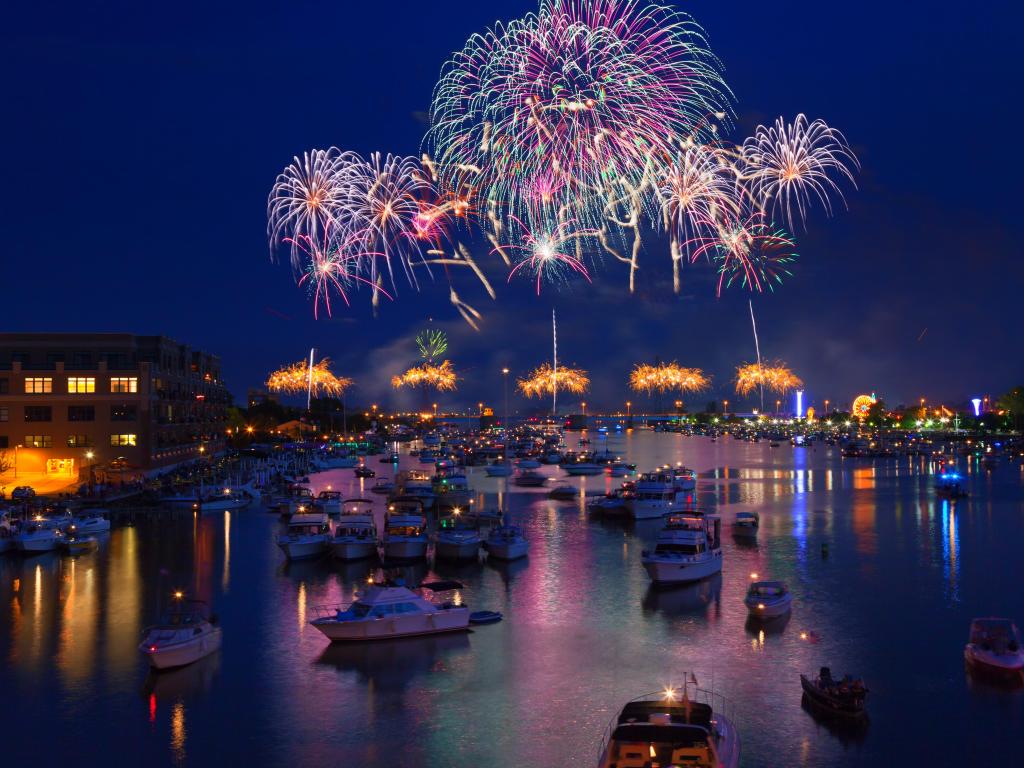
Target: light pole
(584, 405)
(435, 411)
(826, 407)
(778, 407)
(628, 406)
(725, 407)
(504, 374)
(16, 448)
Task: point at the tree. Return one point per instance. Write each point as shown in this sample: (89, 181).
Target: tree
(1013, 403)
(6, 462)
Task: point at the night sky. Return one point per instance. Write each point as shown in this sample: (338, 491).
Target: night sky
(140, 141)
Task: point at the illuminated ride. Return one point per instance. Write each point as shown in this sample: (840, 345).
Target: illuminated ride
(861, 407)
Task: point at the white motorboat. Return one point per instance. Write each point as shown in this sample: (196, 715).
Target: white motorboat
(309, 535)
(672, 728)
(768, 599)
(618, 469)
(387, 611)
(185, 635)
(383, 486)
(417, 483)
(405, 535)
(223, 501)
(507, 542)
(746, 524)
(685, 478)
(41, 534)
(612, 504)
(330, 502)
(578, 468)
(994, 649)
(688, 548)
(338, 462)
(300, 500)
(457, 538)
(87, 522)
(355, 533)
(528, 463)
(656, 495)
(452, 490)
(528, 478)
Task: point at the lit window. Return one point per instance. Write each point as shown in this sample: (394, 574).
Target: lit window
(38, 441)
(124, 384)
(4, 413)
(40, 385)
(122, 439)
(80, 385)
(79, 441)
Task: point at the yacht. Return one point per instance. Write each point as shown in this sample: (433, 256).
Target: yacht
(417, 483)
(41, 534)
(746, 524)
(384, 611)
(685, 478)
(220, 502)
(994, 648)
(528, 463)
(578, 468)
(329, 502)
(507, 542)
(383, 486)
(528, 478)
(671, 729)
(405, 535)
(185, 635)
(612, 504)
(768, 599)
(89, 521)
(452, 490)
(656, 495)
(309, 534)
(457, 538)
(355, 532)
(689, 548)
(300, 500)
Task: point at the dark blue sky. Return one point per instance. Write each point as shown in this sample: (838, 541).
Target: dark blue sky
(140, 141)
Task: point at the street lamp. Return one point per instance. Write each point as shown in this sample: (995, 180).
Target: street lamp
(826, 407)
(778, 407)
(628, 406)
(504, 374)
(584, 408)
(725, 407)
(435, 410)
(16, 449)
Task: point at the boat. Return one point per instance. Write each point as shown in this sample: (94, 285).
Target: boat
(220, 502)
(89, 521)
(671, 729)
(582, 468)
(507, 542)
(684, 477)
(611, 504)
(185, 635)
(498, 470)
(618, 469)
(528, 478)
(79, 545)
(330, 502)
(355, 533)
(405, 534)
(417, 483)
(41, 534)
(564, 493)
(389, 610)
(457, 538)
(994, 649)
(452, 490)
(949, 485)
(746, 524)
(485, 617)
(768, 599)
(688, 548)
(8, 532)
(656, 495)
(843, 698)
(309, 534)
(382, 486)
(528, 463)
(364, 471)
(391, 458)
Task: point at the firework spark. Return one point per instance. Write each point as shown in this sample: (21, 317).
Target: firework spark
(544, 254)
(432, 344)
(666, 377)
(775, 377)
(428, 376)
(332, 266)
(544, 381)
(295, 379)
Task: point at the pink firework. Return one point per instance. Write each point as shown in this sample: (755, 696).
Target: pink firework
(332, 267)
(544, 255)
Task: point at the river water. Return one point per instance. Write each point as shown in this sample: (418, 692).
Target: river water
(885, 578)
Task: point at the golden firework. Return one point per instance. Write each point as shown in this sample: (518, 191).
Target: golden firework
(667, 377)
(775, 377)
(545, 381)
(294, 379)
(428, 376)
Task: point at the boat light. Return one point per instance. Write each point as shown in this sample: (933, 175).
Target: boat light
(653, 752)
(803, 635)
(753, 575)
(152, 648)
(179, 594)
(670, 693)
(760, 606)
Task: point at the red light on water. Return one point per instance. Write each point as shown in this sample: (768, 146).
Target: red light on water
(152, 707)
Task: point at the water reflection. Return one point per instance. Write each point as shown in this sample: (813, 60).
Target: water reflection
(685, 600)
(184, 683)
(391, 665)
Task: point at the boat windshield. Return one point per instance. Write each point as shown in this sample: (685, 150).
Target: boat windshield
(679, 549)
(404, 530)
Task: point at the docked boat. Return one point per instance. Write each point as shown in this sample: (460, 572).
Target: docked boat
(221, 502)
(8, 532)
(383, 486)
(309, 535)
(994, 649)
(611, 504)
(186, 634)
(688, 548)
(768, 599)
(417, 483)
(843, 698)
(452, 490)
(564, 493)
(364, 471)
(330, 502)
(685, 478)
(405, 535)
(457, 538)
(80, 545)
(507, 542)
(656, 495)
(88, 522)
(384, 611)
(528, 463)
(529, 478)
(41, 534)
(582, 468)
(355, 533)
(671, 729)
(746, 524)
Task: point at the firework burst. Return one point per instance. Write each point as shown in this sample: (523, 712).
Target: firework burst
(545, 255)
(295, 379)
(666, 377)
(545, 381)
(775, 377)
(428, 376)
(332, 267)
(432, 344)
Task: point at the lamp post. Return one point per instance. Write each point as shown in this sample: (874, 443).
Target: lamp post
(584, 406)
(16, 448)
(628, 406)
(435, 411)
(725, 407)
(778, 407)
(504, 375)
(826, 407)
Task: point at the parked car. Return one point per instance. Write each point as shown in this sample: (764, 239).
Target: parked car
(23, 493)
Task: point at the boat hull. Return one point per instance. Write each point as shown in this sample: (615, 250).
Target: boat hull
(827, 705)
(302, 549)
(182, 654)
(37, 544)
(769, 610)
(1007, 667)
(449, 620)
(457, 550)
(353, 550)
(583, 469)
(667, 570)
(405, 550)
(508, 550)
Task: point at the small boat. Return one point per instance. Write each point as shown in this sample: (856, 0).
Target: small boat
(89, 521)
(457, 538)
(391, 458)
(507, 542)
(670, 728)
(40, 534)
(329, 502)
(405, 535)
(768, 599)
(689, 548)
(309, 535)
(612, 504)
(527, 463)
(994, 649)
(746, 524)
(564, 493)
(382, 486)
(949, 485)
(386, 611)
(364, 471)
(844, 698)
(529, 479)
(186, 634)
(618, 469)
(355, 534)
(485, 617)
(80, 545)
(583, 468)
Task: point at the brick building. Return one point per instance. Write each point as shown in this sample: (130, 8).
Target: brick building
(71, 401)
